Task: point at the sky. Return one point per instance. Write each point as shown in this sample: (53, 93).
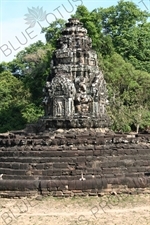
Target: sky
(16, 33)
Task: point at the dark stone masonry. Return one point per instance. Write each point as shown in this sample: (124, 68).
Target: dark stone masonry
(70, 151)
(73, 162)
(75, 91)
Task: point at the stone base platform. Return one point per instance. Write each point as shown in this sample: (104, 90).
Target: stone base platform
(73, 162)
(80, 122)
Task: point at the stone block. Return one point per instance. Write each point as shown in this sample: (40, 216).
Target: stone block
(21, 185)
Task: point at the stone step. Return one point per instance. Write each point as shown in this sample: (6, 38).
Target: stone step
(145, 155)
(106, 172)
(88, 161)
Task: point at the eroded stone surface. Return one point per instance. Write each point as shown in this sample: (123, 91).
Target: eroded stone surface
(75, 91)
(81, 161)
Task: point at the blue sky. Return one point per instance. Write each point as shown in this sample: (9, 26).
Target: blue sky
(15, 34)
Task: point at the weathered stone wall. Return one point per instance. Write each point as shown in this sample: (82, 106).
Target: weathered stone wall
(75, 93)
(73, 163)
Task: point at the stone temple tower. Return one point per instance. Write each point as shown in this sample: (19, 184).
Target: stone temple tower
(75, 91)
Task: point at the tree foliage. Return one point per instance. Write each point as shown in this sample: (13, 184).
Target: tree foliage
(121, 37)
(92, 21)
(14, 99)
(129, 93)
(52, 32)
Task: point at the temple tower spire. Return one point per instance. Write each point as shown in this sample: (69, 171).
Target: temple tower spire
(75, 91)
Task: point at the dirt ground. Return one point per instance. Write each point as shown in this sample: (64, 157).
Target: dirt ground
(110, 210)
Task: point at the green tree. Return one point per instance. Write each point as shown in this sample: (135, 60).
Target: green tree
(120, 35)
(129, 29)
(37, 70)
(16, 108)
(31, 65)
(129, 94)
(92, 21)
(14, 97)
(53, 31)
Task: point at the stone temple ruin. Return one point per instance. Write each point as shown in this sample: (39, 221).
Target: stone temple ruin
(69, 162)
(75, 91)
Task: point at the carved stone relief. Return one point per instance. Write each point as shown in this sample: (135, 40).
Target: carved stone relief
(76, 87)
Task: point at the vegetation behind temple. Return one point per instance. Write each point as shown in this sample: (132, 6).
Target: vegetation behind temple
(121, 38)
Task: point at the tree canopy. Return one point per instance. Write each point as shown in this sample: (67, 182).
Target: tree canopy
(121, 37)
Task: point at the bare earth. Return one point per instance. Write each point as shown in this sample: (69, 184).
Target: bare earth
(109, 210)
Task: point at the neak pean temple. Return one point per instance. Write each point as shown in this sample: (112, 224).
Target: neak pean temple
(75, 91)
(73, 152)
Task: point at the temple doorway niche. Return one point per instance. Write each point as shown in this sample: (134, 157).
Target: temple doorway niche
(59, 107)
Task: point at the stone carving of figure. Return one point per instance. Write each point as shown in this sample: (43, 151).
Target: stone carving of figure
(95, 94)
(82, 85)
(78, 43)
(82, 99)
(81, 59)
(47, 84)
(64, 46)
(102, 108)
(95, 103)
(70, 42)
(74, 56)
(59, 108)
(47, 87)
(45, 103)
(95, 86)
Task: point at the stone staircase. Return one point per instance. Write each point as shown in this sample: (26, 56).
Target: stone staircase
(73, 162)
